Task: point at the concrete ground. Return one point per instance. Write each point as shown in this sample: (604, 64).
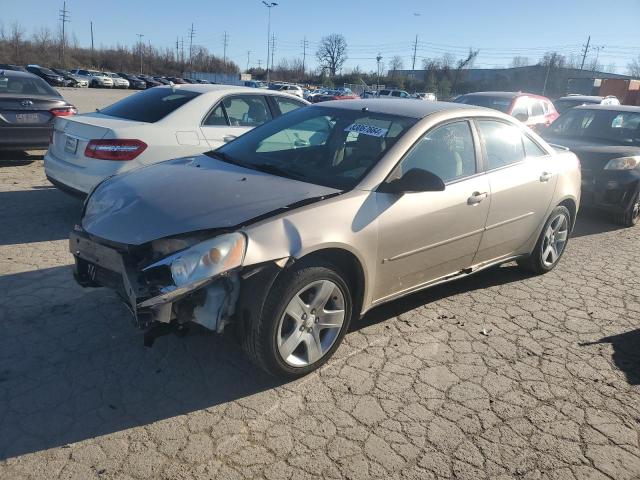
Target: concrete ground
(500, 375)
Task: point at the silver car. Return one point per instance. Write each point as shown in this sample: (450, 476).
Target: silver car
(302, 225)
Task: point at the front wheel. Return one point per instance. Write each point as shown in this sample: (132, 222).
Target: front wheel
(631, 215)
(305, 317)
(551, 244)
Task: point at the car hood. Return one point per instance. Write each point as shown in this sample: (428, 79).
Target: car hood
(187, 195)
(593, 154)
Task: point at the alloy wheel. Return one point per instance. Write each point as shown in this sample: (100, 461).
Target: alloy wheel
(311, 323)
(555, 239)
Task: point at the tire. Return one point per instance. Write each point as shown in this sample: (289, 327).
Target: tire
(631, 215)
(551, 244)
(304, 334)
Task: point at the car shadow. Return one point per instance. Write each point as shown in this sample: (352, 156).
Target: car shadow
(73, 367)
(593, 222)
(491, 277)
(626, 353)
(12, 158)
(43, 213)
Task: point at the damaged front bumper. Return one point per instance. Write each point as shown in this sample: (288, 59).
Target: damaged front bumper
(151, 297)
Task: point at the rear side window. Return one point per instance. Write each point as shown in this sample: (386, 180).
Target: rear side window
(246, 110)
(151, 105)
(502, 143)
(384, 92)
(532, 149)
(536, 108)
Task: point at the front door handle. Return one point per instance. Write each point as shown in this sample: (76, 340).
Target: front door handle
(476, 198)
(228, 138)
(545, 176)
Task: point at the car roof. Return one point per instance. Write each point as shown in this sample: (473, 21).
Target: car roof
(401, 107)
(210, 88)
(17, 73)
(595, 98)
(613, 108)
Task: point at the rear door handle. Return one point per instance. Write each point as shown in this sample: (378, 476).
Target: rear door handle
(228, 138)
(476, 198)
(545, 176)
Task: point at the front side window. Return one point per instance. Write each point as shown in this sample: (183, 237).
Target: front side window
(502, 143)
(321, 145)
(521, 107)
(216, 117)
(246, 110)
(287, 105)
(448, 151)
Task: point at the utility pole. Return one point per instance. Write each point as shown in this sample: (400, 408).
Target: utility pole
(248, 59)
(91, 42)
(415, 51)
(64, 18)
(192, 32)
(177, 50)
(305, 44)
(269, 5)
(225, 43)
(181, 55)
(140, 35)
(273, 48)
(586, 50)
(259, 63)
(378, 58)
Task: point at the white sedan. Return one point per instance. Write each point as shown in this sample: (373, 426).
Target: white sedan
(155, 125)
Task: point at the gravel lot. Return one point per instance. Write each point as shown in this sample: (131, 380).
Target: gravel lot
(500, 375)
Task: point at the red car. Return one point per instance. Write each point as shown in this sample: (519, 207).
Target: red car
(343, 94)
(535, 111)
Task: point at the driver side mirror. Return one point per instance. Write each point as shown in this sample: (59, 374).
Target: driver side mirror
(414, 180)
(523, 117)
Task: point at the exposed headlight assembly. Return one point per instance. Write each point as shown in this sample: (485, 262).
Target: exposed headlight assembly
(205, 260)
(623, 163)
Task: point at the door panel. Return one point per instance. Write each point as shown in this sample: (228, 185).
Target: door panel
(424, 236)
(427, 235)
(521, 190)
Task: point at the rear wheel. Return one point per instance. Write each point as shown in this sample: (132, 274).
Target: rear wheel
(305, 317)
(551, 244)
(631, 215)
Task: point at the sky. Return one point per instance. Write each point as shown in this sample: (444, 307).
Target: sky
(499, 29)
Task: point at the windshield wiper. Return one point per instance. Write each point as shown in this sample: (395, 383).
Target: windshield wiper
(274, 170)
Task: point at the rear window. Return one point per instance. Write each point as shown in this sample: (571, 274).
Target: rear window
(151, 105)
(31, 85)
(497, 103)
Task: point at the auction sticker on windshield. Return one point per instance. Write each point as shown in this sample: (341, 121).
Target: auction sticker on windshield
(367, 130)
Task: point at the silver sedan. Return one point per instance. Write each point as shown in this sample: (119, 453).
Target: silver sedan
(297, 228)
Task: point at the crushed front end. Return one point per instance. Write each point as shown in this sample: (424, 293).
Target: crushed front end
(168, 283)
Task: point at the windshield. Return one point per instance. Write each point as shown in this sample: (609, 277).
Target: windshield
(495, 102)
(325, 146)
(604, 125)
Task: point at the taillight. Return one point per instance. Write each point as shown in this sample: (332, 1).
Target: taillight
(120, 150)
(63, 111)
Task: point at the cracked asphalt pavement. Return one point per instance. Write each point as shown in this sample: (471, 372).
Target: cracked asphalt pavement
(500, 375)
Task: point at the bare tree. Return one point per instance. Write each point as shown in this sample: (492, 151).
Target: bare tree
(16, 39)
(519, 61)
(43, 39)
(464, 64)
(395, 65)
(611, 68)
(634, 67)
(332, 52)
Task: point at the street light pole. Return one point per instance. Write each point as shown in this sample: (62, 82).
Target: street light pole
(378, 58)
(140, 35)
(269, 5)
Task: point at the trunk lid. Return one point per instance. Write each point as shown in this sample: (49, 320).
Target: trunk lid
(72, 134)
(27, 110)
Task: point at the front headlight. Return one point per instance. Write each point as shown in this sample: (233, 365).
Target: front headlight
(623, 163)
(206, 259)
